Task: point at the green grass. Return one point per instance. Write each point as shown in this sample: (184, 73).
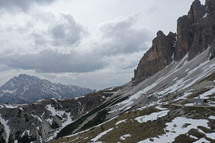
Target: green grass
(149, 130)
(131, 126)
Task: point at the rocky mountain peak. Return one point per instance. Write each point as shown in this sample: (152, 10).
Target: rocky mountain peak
(195, 33)
(29, 77)
(25, 88)
(196, 12)
(210, 4)
(160, 33)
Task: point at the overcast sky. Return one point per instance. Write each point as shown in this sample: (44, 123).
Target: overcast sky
(91, 43)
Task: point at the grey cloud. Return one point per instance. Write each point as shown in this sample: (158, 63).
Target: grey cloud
(64, 32)
(23, 5)
(49, 61)
(67, 33)
(116, 49)
(122, 37)
(39, 40)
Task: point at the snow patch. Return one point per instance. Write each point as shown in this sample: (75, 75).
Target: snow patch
(202, 140)
(151, 117)
(206, 14)
(101, 134)
(49, 120)
(212, 117)
(137, 95)
(54, 112)
(26, 132)
(10, 106)
(211, 135)
(125, 136)
(6, 127)
(189, 104)
(67, 121)
(37, 117)
(194, 137)
(121, 121)
(184, 96)
(210, 92)
(9, 91)
(159, 108)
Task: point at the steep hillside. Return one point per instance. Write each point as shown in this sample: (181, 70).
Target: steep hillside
(42, 120)
(152, 109)
(25, 89)
(195, 33)
(172, 95)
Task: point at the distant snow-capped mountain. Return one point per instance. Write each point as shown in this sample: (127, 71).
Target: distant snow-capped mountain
(26, 88)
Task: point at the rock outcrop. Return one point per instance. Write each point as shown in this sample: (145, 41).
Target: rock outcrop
(160, 55)
(195, 33)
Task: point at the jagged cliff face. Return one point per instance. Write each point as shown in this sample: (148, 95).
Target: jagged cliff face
(160, 55)
(195, 33)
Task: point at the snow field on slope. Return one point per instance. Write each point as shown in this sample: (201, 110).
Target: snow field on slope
(210, 92)
(176, 127)
(186, 94)
(66, 122)
(128, 103)
(54, 111)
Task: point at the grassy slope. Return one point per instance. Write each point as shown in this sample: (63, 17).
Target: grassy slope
(141, 131)
(150, 129)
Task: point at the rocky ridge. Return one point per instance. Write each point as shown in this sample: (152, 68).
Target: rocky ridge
(195, 33)
(25, 89)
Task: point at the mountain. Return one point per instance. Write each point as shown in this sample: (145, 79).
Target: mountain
(170, 99)
(172, 95)
(26, 89)
(41, 121)
(195, 34)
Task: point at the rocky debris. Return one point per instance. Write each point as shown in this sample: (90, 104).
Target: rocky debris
(195, 33)
(25, 89)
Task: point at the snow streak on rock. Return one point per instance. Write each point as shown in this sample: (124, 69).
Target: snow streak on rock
(125, 136)
(100, 135)
(152, 117)
(6, 127)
